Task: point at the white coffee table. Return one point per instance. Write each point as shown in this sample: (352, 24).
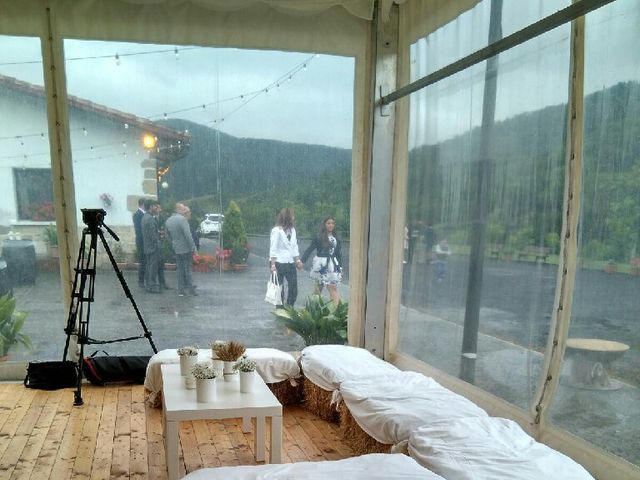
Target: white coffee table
(179, 404)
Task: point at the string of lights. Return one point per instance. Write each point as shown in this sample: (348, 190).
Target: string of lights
(117, 56)
(246, 97)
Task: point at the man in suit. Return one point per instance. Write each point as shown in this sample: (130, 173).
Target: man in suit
(137, 228)
(151, 245)
(177, 227)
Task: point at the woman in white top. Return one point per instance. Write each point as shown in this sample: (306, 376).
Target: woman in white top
(284, 254)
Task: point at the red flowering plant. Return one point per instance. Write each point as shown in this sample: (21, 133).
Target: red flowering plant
(41, 212)
(223, 254)
(208, 260)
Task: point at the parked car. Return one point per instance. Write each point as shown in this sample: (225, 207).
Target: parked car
(211, 226)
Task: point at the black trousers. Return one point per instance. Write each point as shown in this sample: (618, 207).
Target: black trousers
(288, 271)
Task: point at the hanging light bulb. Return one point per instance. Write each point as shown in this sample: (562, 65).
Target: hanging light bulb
(126, 126)
(42, 136)
(304, 67)
(84, 131)
(124, 144)
(175, 51)
(117, 60)
(165, 116)
(289, 78)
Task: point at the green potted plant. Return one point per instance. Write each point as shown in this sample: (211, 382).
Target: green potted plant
(50, 235)
(320, 322)
(11, 323)
(234, 235)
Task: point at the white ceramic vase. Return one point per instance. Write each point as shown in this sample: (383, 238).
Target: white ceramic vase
(247, 381)
(229, 372)
(218, 366)
(186, 363)
(205, 390)
(189, 382)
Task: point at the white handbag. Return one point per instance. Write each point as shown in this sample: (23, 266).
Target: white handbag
(274, 290)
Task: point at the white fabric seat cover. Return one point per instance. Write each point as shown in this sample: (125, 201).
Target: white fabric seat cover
(365, 467)
(327, 366)
(271, 364)
(489, 448)
(392, 406)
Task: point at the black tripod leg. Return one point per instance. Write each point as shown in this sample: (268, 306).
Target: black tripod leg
(127, 292)
(78, 320)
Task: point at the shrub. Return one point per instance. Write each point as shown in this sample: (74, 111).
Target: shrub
(321, 322)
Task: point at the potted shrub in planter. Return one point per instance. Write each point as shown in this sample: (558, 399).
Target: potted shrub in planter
(223, 256)
(610, 267)
(50, 234)
(234, 236)
(11, 323)
(247, 369)
(203, 263)
(229, 353)
(205, 377)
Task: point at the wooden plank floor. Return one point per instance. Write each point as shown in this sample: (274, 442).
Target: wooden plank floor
(116, 435)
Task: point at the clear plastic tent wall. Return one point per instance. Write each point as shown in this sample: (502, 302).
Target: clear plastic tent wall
(270, 104)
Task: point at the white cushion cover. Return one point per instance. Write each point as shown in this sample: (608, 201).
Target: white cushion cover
(271, 364)
(489, 448)
(274, 365)
(327, 366)
(390, 407)
(365, 467)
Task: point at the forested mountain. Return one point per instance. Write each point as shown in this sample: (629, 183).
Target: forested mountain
(525, 178)
(525, 181)
(262, 176)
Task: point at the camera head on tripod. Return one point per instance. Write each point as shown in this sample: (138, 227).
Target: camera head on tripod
(93, 217)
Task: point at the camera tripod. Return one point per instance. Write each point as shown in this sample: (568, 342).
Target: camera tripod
(82, 295)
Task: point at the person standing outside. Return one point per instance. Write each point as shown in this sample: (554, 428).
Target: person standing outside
(326, 268)
(284, 254)
(177, 226)
(442, 256)
(151, 245)
(137, 228)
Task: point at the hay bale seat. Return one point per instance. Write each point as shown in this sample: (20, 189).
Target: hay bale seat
(360, 441)
(319, 402)
(488, 447)
(389, 407)
(325, 367)
(278, 369)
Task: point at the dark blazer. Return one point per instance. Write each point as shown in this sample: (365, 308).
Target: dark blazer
(323, 251)
(150, 234)
(137, 227)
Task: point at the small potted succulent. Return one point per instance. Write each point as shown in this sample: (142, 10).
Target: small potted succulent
(229, 353)
(205, 376)
(247, 368)
(188, 358)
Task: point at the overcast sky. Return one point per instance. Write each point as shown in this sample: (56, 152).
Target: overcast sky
(311, 105)
(316, 105)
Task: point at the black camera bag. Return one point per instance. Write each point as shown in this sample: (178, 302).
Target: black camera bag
(115, 369)
(51, 375)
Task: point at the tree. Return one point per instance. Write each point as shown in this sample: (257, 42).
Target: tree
(234, 235)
